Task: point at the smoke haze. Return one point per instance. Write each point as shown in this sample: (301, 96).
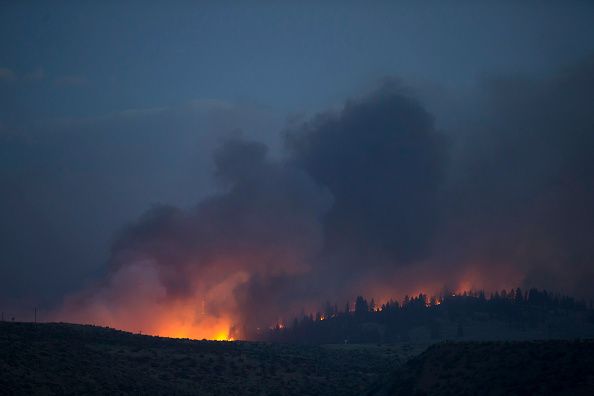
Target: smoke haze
(207, 169)
(369, 199)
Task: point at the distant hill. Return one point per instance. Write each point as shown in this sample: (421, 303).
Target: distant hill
(66, 359)
(509, 315)
(495, 368)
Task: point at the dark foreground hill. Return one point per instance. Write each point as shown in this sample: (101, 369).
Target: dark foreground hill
(496, 368)
(73, 359)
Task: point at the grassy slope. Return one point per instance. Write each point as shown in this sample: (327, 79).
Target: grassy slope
(496, 368)
(74, 359)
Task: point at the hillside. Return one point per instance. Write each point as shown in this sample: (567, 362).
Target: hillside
(58, 358)
(74, 359)
(496, 368)
(471, 316)
(434, 329)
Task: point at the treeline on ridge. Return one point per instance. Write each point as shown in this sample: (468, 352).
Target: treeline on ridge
(434, 318)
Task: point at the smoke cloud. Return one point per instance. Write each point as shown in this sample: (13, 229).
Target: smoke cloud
(371, 199)
(523, 192)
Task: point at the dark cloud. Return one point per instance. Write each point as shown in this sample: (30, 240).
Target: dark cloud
(523, 195)
(384, 162)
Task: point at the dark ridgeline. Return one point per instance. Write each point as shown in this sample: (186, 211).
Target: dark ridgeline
(512, 314)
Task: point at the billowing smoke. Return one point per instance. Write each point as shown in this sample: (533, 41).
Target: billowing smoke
(522, 201)
(371, 199)
(180, 272)
(384, 163)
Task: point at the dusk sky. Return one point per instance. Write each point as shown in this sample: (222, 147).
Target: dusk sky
(461, 149)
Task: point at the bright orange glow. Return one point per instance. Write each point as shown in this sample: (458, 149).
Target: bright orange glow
(209, 328)
(136, 301)
(138, 297)
(223, 336)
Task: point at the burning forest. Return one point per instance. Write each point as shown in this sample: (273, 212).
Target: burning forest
(296, 198)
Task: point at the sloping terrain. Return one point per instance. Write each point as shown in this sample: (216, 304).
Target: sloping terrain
(74, 359)
(496, 368)
(60, 358)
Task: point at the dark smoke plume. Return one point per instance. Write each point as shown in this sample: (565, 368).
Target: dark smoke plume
(372, 199)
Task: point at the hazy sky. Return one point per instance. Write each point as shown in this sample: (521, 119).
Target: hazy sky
(107, 109)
